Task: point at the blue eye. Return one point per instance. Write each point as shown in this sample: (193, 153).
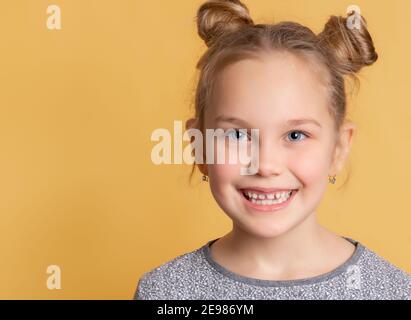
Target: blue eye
(297, 134)
(237, 134)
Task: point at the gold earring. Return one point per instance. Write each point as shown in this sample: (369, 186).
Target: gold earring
(332, 179)
(205, 178)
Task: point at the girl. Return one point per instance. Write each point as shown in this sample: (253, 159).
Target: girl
(289, 83)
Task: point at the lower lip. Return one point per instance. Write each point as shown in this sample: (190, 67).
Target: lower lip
(268, 208)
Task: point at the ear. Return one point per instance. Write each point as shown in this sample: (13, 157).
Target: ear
(193, 123)
(343, 146)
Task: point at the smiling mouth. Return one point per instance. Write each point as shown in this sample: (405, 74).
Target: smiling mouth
(267, 198)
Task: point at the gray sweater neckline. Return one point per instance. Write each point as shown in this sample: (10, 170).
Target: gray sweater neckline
(359, 248)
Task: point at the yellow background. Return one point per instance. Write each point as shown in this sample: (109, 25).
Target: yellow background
(78, 105)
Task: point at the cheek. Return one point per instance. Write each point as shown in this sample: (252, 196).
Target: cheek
(310, 167)
(222, 179)
(222, 174)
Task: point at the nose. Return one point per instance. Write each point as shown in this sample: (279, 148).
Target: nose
(270, 158)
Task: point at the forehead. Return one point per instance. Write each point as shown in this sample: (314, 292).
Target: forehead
(274, 86)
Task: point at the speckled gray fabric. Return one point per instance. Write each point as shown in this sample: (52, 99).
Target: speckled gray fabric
(195, 275)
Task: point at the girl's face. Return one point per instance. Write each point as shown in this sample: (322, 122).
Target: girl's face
(282, 96)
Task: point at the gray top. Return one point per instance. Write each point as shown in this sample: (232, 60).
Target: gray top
(195, 275)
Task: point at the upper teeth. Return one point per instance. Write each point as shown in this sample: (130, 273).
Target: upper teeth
(270, 196)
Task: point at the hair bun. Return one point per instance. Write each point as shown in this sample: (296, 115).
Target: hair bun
(217, 17)
(352, 47)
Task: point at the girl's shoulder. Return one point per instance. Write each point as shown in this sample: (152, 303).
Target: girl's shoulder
(162, 282)
(383, 276)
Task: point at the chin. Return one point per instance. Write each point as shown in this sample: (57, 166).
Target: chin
(266, 229)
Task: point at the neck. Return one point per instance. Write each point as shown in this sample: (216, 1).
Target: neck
(297, 248)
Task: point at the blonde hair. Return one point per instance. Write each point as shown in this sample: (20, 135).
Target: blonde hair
(231, 35)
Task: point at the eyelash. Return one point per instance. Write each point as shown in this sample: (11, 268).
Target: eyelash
(236, 130)
(299, 131)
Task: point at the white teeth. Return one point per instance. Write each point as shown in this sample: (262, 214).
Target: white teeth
(268, 199)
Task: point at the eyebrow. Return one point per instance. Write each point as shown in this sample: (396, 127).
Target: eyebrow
(291, 122)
